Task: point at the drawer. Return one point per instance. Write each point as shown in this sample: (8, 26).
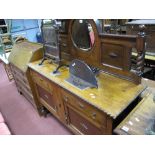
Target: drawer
(46, 97)
(24, 89)
(17, 71)
(19, 75)
(84, 107)
(76, 121)
(63, 39)
(113, 55)
(21, 79)
(27, 95)
(21, 82)
(63, 47)
(41, 81)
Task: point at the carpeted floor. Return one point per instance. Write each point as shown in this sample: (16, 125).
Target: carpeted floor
(20, 116)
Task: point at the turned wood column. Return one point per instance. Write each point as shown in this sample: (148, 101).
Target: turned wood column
(140, 46)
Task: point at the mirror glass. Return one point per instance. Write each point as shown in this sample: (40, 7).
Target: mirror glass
(83, 34)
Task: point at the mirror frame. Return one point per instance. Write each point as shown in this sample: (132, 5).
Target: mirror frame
(93, 54)
(74, 43)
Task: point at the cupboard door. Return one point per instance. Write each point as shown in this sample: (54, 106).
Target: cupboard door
(48, 95)
(47, 99)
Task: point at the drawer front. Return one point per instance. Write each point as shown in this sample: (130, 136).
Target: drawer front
(63, 38)
(41, 81)
(17, 71)
(84, 107)
(63, 44)
(63, 47)
(27, 94)
(46, 96)
(113, 55)
(81, 124)
(26, 87)
(23, 80)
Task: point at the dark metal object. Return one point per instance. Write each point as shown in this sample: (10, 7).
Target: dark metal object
(81, 75)
(56, 70)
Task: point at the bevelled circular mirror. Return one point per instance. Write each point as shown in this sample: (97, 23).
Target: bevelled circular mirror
(82, 34)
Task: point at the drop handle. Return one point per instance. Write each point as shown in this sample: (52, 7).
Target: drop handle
(94, 115)
(66, 116)
(55, 107)
(81, 105)
(113, 55)
(41, 80)
(66, 99)
(84, 126)
(63, 44)
(46, 96)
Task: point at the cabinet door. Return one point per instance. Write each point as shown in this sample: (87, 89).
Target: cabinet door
(47, 99)
(48, 95)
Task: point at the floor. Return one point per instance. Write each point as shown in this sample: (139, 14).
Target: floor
(20, 116)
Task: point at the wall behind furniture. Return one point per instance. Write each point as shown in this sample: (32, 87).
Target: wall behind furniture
(27, 28)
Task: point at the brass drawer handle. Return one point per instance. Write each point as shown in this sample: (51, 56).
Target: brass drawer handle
(66, 98)
(84, 126)
(113, 55)
(66, 116)
(55, 107)
(64, 45)
(46, 96)
(81, 105)
(94, 115)
(41, 80)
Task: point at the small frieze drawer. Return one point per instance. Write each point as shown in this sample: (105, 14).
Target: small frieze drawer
(41, 81)
(113, 55)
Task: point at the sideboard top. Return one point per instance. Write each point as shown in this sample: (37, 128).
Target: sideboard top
(112, 96)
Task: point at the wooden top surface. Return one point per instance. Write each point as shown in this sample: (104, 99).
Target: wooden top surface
(112, 96)
(149, 57)
(141, 119)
